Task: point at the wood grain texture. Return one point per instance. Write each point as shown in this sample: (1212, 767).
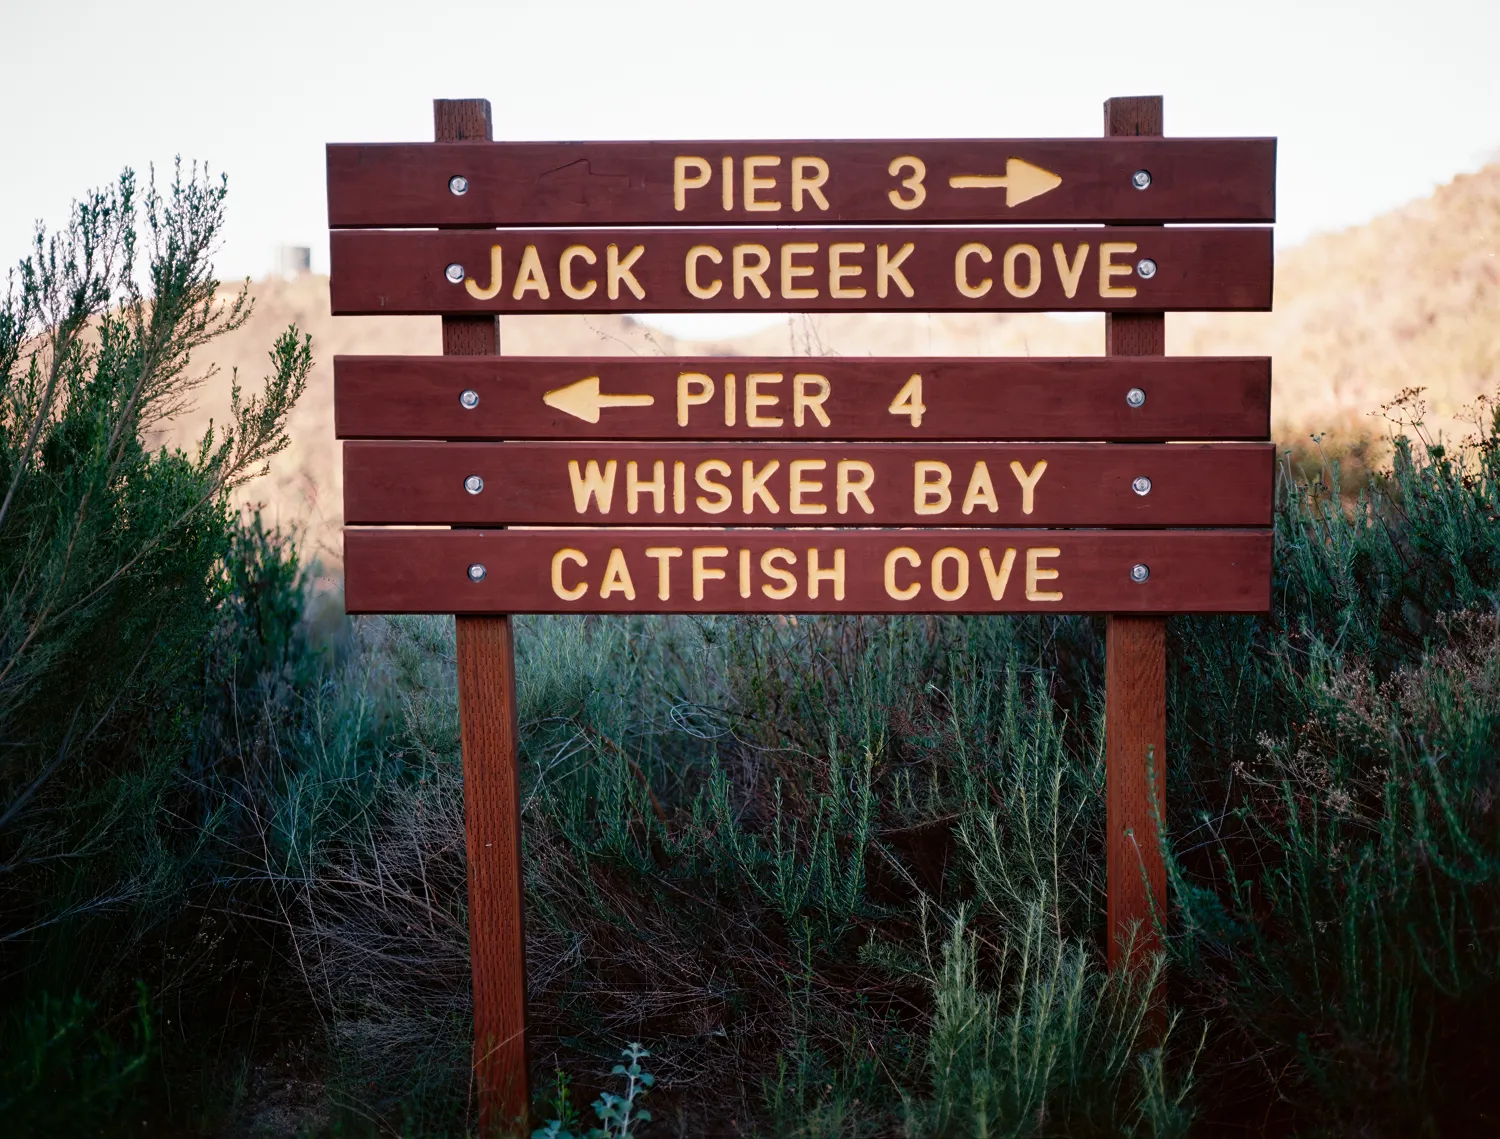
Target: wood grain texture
(403, 271)
(417, 397)
(390, 570)
(632, 183)
(492, 794)
(749, 484)
(1135, 691)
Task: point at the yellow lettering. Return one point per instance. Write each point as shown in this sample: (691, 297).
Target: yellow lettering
(930, 486)
(997, 581)
(816, 576)
(1028, 481)
(908, 401)
(471, 286)
(857, 488)
(745, 271)
(681, 183)
(961, 585)
(592, 483)
(688, 397)
(981, 490)
(888, 270)
(1033, 272)
(753, 486)
(913, 183)
(1108, 269)
(565, 272)
(1070, 274)
(616, 271)
(910, 557)
(799, 486)
(804, 385)
(837, 270)
(726, 496)
(703, 292)
(808, 176)
(679, 488)
(769, 567)
(753, 163)
(531, 277)
(663, 556)
(745, 582)
(730, 402)
(568, 593)
(657, 487)
(961, 269)
(1035, 575)
(727, 189)
(790, 271)
(617, 576)
(702, 572)
(754, 400)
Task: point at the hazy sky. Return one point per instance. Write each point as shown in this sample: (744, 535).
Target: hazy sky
(1375, 103)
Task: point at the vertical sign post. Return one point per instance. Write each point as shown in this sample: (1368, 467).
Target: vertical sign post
(1135, 670)
(492, 792)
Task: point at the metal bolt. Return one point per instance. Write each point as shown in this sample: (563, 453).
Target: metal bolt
(458, 184)
(474, 484)
(1135, 397)
(477, 572)
(455, 273)
(1141, 180)
(1146, 268)
(1140, 484)
(1138, 572)
(470, 399)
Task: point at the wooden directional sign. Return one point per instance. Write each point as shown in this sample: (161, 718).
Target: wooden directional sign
(870, 484)
(913, 485)
(547, 397)
(807, 571)
(804, 270)
(715, 183)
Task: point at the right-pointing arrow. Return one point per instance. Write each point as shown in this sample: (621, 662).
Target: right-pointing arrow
(583, 400)
(1022, 181)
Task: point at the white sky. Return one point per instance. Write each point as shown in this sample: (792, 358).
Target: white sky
(1375, 103)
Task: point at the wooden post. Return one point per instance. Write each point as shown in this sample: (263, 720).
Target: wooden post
(1135, 671)
(492, 792)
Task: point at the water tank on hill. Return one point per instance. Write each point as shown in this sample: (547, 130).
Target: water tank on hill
(293, 260)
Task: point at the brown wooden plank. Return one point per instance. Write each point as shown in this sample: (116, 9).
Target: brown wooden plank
(840, 484)
(635, 183)
(1135, 688)
(486, 668)
(429, 571)
(808, 270)
(416, 397)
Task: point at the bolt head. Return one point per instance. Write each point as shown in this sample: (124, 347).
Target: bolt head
(469, 399)
(454, 273)
(1138, 573)
(1146, 268)
(477, 572)
(474, 484)
(1135, 397)
(1141, 485)
(1141, 179)
(459, 185)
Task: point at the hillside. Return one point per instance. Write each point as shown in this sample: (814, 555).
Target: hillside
(1411, 299)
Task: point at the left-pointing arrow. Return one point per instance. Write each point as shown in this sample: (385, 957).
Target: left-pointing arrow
(583, 400)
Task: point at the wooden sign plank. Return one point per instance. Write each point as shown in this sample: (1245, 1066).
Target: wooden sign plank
(551, 397)
(842, 484)
(806, 270)
(716, 183)
(807, 571)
